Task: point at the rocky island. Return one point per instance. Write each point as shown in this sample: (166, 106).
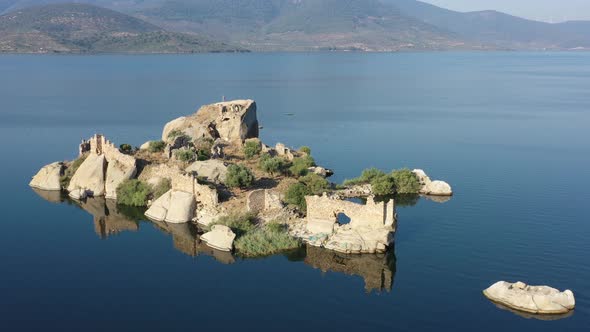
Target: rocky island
(211, 169)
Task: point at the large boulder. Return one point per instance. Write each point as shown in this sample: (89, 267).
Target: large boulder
(214, 170)
(117, 172)
(48, 177)
(220, 237)
(174, 207)
(90, 176)
(433, 188)
(532, 299)
(232, 121)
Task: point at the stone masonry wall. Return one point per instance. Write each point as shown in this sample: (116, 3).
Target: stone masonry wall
(325, 208)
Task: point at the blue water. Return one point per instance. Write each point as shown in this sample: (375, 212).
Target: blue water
(509, 131)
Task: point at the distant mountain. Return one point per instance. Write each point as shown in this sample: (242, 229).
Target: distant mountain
(83, 28)
(302, 24)
(502, 30)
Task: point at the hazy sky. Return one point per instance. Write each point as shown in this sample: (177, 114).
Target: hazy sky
(545, 10)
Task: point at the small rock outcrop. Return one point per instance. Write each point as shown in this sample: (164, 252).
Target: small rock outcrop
(532, 299)
(48, 177)
(220, 237)
(213, 170)
(174, 207)
(232, 121)
(433, 188)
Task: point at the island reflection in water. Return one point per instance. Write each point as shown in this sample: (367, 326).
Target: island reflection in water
(377, 271)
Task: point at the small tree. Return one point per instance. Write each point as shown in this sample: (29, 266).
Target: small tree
(252, 148)
(185, 155)
(315, 183)
(271, 165)
(133, 192)
(300, 165)
(239, 176)
(406, 182)
(156, 146)
(366, 177)
(296, 195)
(382, 185)
(306, 150)
(125, 148)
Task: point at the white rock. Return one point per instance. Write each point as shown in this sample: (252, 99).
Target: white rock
(174, 207)
(437, 188)
(78, 194)
(90, 176)
(214, 170)
(532, 299)
(48, 177)
(220, 237)
(145, 145)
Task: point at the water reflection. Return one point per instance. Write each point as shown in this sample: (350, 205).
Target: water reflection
(109, 219)
(534, 316)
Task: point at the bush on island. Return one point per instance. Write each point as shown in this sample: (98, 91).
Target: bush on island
(161, 188)
(264, 241)
(125, 148)
(300, 165)
(296, 195)
(156, 146)
(272, 165)
(406, 182)
(239, 176)
(251, 149)
(133, 192)
(315, 183)
(185, 155)
(306, 150)
(366, 177)
(383, 185)
(239, 223)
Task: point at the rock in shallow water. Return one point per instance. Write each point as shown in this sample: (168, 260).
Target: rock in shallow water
(48, 177)
(533, 299)
(220, 237)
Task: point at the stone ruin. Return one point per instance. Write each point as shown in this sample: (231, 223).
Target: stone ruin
(370, 230)
(263, 200)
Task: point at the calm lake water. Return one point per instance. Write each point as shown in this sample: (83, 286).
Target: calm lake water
(509, 131)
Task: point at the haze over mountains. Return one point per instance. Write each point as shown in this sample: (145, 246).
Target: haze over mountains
(300, 25)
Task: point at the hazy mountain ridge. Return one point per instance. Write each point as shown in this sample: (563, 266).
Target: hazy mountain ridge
(83, 28)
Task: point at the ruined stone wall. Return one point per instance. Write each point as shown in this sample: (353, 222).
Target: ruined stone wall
(263, 200)
(98, 144)
(325, 208)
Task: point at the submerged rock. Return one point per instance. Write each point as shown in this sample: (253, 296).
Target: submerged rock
(48, 177)
(532, 299)
(220, 237)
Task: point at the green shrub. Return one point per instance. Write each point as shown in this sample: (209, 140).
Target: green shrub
(300, 166)
(272, 165)
(306, 150)
(315, 183)
(383, 185)
(406, 182)
(133, 192)
(296, 195)
(366, 177)
(125, 148)
(240, 223)
(252, 148)
(161, 188)
(156, 146)
(70, 171)
(265, 241)
(185, 155)
(175, 133)
(204, 143)
(203, 155)
(239, 176)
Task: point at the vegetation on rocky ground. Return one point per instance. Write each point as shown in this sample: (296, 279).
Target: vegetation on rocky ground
(133, 192)
(125, 148)
(239, 176)
(295, 195)
(299, 166)
(156, 146)
(70, 171)
(185, 155)
(253, 239)
(402, 181)
(251, 149)
(316, 184)
(272, 165)
(306, 150)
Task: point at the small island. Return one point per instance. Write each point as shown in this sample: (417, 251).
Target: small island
(210, 168)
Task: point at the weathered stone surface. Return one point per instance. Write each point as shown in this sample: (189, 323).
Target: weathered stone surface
(214, 170)
(370, 229)
(220, 237)
(434, 188)
(173, 207)
(116, 173)
(48, 177)
(78, 194)
(284, 151)
(90, 176)
(232, 121)
(532, 299)
(145, 145)
(263, 200)
(323, 172)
